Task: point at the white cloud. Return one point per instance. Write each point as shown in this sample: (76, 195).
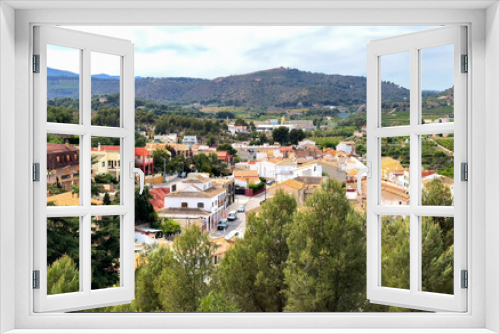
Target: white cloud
(214, 51)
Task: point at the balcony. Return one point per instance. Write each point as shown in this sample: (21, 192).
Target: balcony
(144, 161)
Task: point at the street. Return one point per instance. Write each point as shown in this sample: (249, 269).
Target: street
(240, 223)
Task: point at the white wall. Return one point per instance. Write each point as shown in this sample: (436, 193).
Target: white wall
(7, 166)
(492, 164)
(176, 202)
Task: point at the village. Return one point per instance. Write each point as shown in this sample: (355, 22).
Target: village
(220, 204)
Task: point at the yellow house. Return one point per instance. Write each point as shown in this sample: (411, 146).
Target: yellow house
(390, 165)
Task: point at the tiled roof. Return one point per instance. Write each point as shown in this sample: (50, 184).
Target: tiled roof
(310, 179)
(286, 149)
(69, 199)
(158, 200)
(353, 172)
(196, 180)
(142, 151)
(254, 179)
(294, 184)
(208, 193)
(390, 164)
(245, 173)
(184, 211)
(61, 148)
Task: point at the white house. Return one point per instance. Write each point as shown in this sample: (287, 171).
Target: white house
(196, 198)
(277, 169)
(234, 129)
(348, 147)
(170, 138)
(190, 141)
(308, 169)
(305, 143)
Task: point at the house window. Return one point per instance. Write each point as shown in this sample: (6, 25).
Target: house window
(184, 205)
(201, 205)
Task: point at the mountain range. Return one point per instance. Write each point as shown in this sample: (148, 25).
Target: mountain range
(278, 87)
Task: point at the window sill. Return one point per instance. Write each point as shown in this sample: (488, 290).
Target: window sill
(251, 331)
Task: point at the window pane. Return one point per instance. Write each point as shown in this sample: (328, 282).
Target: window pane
(63, 170)
(395, 74)
(63, 254)
(106, 164)
(437, 169)
(437, 254)
(63, 84)
(395, 251)
(395, 175)
(105, 259)
(105, 71)
(437, 84)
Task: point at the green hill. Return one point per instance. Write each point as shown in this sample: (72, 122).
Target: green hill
(279, 87)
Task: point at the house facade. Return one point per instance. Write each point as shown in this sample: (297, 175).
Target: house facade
(63, 165)
(208, 202)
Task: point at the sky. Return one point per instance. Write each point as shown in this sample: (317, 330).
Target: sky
(215, 51)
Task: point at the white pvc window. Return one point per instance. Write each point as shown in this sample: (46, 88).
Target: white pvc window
(413, 211)
(70, 156)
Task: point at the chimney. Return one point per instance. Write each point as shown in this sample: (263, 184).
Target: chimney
(99, 146)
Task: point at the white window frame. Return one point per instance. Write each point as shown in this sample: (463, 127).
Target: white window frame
(413, 43)
(85, 43)
(484, 265)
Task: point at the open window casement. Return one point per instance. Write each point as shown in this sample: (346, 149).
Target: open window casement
(417, 55)
(83, 250)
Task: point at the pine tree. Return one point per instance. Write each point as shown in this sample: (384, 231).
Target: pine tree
(62, 276)
(63, 238)
(105, 253)
(184, 282)
(253, 272)
(327, 262)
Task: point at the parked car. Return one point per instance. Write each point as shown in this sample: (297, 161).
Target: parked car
(241, 208)
(222, 224)
(232, 215)
(270, 182)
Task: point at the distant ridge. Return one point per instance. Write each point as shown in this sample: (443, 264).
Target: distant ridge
(273, 88)
(52, 72)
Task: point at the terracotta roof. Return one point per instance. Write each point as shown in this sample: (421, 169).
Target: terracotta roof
(353, 172)
(221, 154)
(254, 179)
(142, 151)
(196, 180)
(184, 211)
(245, 173)
(390, 164)
(333, 164)
(179, 147)
(286, 149)
(310, 179)
(60, 148)
(158, 200)
(106, 148)
(197, 194)
(69, 199)
(286, 162)
(294, 184)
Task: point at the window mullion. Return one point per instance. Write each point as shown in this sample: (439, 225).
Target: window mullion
(414, 171)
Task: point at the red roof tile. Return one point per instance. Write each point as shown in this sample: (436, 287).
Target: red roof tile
(158, 194)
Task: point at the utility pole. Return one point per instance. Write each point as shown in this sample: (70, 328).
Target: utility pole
(164, 169)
